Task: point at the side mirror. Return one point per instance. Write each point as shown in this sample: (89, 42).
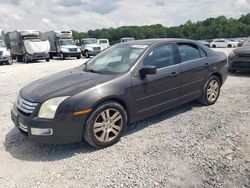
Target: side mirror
(148, 69)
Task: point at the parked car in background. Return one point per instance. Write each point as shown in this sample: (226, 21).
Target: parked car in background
(27, 45)
(223, 43)
(61, 44)
(204, 42)
(125, 83)
(127, 39)
(90, 47)
(5, 56)
(239, 58)
(104, 43)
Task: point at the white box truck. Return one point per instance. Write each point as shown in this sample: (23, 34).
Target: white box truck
(5, 57)
(61, 44)
(27, 45)
(90, 47)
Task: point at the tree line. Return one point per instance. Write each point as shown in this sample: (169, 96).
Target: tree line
(220, 27)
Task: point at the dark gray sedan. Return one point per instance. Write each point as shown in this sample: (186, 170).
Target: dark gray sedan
(126, 83)
(239, 58)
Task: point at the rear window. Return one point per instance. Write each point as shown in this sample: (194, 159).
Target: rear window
(190, 52)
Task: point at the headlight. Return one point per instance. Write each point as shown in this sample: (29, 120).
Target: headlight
(49, 107)
(90, 49)
(78, 50)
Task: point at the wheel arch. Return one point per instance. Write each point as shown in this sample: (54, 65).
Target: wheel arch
(117, 100)
(218, 75)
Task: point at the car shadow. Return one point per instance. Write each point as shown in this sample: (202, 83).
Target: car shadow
(21, 148)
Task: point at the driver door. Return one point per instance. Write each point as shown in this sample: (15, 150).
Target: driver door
(155, 93)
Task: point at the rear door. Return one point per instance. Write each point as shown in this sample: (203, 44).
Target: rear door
(194, 67)
(160, 91)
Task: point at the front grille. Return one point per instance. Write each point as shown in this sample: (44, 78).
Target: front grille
(25, 106)
(73, 49)
(97, 48)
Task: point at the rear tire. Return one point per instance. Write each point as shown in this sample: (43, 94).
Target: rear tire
(19, 58)
(86, 54)
(47, 60)
(105, 125)
(211, 91)
(213, 46)
(78, 57)
(229, 45)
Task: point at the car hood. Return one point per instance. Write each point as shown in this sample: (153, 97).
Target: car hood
(242, 50)
(66, 83)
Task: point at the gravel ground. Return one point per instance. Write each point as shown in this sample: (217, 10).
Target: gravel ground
(189, 146)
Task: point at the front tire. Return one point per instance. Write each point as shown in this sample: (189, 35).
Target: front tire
(105, 125)
(229, 46)
(26, 59)
(211, 91)
(62, 57)
(9, 62)
(213, 46)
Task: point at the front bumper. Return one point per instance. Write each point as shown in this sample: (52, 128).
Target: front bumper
(39, 56)
(93, 53)
(239, 63)
(5, 58)
(72, 54)
(61, 130)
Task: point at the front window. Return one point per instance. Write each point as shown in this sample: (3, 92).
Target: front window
(116, 60)
(2, 44)
(66, 42)
(90, 41)
(160, 57)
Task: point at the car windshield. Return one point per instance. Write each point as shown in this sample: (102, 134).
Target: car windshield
(66, 42)
(90, 41)
(2, 44)
(247, 42)
(116, 60)
(103, 41)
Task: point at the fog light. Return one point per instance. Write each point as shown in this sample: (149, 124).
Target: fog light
(41, 132)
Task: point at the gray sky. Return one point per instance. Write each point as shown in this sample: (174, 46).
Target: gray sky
(83, 15)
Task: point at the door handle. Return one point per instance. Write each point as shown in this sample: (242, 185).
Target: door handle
(206, 64)
(174, 74)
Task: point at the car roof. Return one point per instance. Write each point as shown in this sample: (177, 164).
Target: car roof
(160, 40)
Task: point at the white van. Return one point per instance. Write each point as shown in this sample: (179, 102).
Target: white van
(104, 43)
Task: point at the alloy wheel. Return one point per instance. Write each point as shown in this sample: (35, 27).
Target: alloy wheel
(108, 125)
(212, 90)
